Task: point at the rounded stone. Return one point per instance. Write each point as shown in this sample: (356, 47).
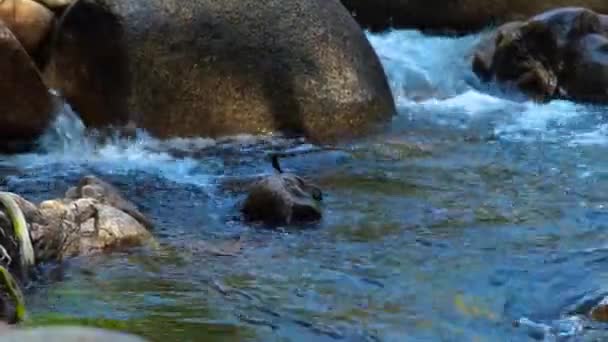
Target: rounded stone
(30, 21)
(26, 106)
(220, 67)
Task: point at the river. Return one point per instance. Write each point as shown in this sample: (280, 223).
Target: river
(475, 210)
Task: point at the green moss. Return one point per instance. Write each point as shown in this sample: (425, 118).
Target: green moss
(26, 250)
(14, 292)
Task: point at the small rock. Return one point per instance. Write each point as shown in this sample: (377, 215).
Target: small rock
(93, 187)
(283, 199)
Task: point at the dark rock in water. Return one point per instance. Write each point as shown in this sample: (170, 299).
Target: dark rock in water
(220, 67)
(283, 199)
(66, 334)
(559, 54)
(449, 16)
(27, 105)
(600, 311)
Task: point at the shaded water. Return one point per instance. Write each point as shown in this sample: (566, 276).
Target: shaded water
(474, 211)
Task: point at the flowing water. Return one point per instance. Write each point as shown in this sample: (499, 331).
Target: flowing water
(477, 209)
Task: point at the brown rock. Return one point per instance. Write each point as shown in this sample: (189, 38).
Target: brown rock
(600, 312)
(93, 187)
(454, 15)
(108, 228)
(81, 225)
(557, 54)
(26, 105)
(30, 21)
(220, 67)
(283, 199)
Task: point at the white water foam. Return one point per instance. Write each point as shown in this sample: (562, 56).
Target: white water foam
(431, 77)
(68, 144)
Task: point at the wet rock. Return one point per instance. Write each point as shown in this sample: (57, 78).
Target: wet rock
(283, 199)
(26, 105)
(558, 54)
(448, 16)
(93, 187)
(93, 218)
(107, 228)
(29, 21)
(600, 311)
(84, 227)
(66, 334)
(220, 67)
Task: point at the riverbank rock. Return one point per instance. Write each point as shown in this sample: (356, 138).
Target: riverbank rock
(454, 16)
(283, 199)
(84, 227)
(26, 106)
(66, 334)
(558, 54)
(105, 193)
(29, 21)
(93, 218)
(220, 67)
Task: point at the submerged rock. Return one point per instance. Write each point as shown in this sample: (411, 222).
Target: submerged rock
(283, 199)
(66, 334)
(220, 67)
(559, 54)
(27, 105)
(454, 15)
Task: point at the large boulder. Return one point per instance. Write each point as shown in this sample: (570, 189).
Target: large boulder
(454, 15)
(30, 21)
(283, 199)
(558, 54)
(26, 106)
(220, 67)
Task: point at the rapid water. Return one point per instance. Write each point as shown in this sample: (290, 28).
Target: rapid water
(477, 209)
